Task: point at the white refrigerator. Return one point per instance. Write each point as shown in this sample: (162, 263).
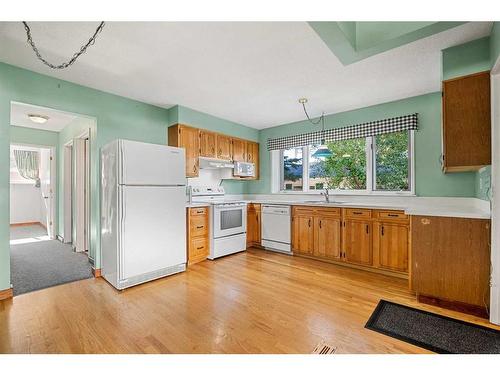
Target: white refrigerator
(143, 214)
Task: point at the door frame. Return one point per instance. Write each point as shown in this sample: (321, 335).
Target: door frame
(495, 192)
(83, 216)
(53, 181)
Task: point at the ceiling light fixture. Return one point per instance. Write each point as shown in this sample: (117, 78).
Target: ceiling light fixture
(323, 151)
(38, 119)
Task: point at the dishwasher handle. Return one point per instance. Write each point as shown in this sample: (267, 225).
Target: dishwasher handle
(276, 210)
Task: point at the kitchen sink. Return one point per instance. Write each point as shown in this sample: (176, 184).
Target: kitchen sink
(322, 202)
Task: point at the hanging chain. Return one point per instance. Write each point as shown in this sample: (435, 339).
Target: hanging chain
(83, 48)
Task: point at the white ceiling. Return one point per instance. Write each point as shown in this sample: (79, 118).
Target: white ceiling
(250, 72)
(57, 120)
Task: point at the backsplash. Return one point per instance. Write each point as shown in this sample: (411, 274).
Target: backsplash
(483, 183)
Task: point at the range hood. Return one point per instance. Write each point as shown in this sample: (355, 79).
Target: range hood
(211, 163)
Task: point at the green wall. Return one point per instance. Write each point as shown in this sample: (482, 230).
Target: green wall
(468, 58)
(24, 135)
(494, 43)
(430, 181)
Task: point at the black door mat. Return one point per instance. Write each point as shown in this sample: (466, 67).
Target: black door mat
(433, 332)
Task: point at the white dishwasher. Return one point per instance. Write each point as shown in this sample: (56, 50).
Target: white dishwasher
(276, 227)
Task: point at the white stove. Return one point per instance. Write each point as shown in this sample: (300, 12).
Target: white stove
(228, 220)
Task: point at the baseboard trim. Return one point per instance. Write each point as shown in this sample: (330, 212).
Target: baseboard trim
(96, 272)
(6, 294)
(27, 224)
(466, 308)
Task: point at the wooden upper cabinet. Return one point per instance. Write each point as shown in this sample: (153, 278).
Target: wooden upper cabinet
(466, 123)
(187, 138)
(358, 241)
(207, 144)
(239, 149)
(327, 237)
(253, 156)
(393, 246)
(224, 147)
(303, 234)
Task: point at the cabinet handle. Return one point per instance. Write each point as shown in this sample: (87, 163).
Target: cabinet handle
(320, 224)
(194, 168)
(357, 213)
(393, 215)
(367, 229)
(382, 230)
(200, 247)
(199, 211)
(309, 223)
(213, 150)
(200, 227)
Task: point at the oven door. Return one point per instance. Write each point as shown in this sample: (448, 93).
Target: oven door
(229, 219)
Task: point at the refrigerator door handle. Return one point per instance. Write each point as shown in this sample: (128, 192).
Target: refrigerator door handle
(122, 231)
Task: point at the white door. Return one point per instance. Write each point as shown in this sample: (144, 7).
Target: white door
(153, 229)
(79, 195)
(150, 164)
(47, 191)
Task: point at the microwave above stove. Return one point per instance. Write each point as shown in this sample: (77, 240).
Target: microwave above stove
(243, 169)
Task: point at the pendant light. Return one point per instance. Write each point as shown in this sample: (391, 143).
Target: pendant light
(323, 151)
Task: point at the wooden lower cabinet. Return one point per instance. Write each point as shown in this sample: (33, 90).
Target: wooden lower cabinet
(253, 224)
(370, 239)
(303, 234)
(327, 237)
(450, 262)
(358, 242)
(198, 241)
(391, 246)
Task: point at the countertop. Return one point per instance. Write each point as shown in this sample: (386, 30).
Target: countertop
(448, 207)
(420, 207)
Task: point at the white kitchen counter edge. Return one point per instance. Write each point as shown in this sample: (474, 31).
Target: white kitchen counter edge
(472, 208)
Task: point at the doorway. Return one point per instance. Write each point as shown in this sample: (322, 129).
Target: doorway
(50, 239)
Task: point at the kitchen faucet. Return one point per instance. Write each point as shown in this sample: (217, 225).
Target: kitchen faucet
(327, 195)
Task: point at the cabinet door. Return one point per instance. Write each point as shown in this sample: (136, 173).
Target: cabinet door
(358, 242)
(253, 156)
(253, 225)
(189, 140)
(239, 150)
(207, 144)
(451, 258)
(393, 247)
(303, 235)
(327, 237)
(466, 123)
(224, 149)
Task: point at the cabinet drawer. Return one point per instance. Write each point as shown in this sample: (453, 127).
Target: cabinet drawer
(391, 215)
(198, 225)
(361, 213)
(198, 248)
(333, 211)
(193, 211)
(302, 210)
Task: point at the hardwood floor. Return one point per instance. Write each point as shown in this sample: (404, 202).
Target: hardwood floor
(252, 302)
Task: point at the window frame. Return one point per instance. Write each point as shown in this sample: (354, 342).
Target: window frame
(370, 149)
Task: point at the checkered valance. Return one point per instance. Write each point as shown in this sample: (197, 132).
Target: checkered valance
(368, 129)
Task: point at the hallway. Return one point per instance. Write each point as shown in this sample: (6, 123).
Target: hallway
(38, 262)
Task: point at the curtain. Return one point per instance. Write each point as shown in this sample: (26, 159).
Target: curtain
(367, 129)
(27, 163)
